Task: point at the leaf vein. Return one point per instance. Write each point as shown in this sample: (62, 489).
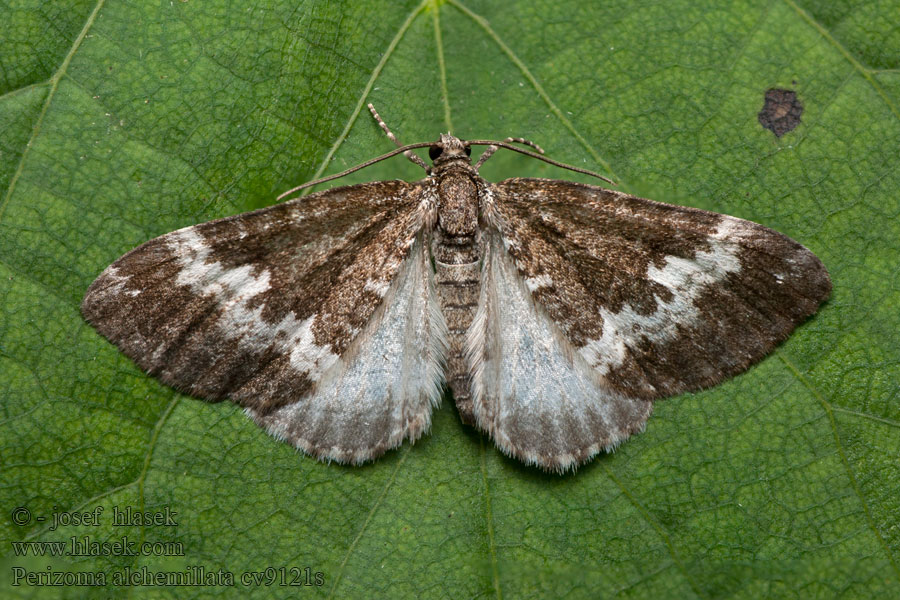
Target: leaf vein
(54, 84)
(532, 80)
(829, 411)
(378, 502)
(863, 415)
(442, 66)
(368, 88)
(655, 525)
(863, 70)
(492, 545)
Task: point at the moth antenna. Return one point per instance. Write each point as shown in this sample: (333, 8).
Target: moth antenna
(413, 157)
(372, 161)
(526, 142)
(492, 148)
(537, 156)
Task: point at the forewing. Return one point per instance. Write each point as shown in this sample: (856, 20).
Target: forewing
(658, 299)
(271, 307)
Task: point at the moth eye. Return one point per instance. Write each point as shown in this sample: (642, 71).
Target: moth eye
(434, 152)
(468, 150)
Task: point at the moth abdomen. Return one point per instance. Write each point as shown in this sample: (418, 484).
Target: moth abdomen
(458, 289)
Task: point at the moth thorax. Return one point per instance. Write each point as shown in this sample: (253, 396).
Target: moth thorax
(457, 220)
(458, 205)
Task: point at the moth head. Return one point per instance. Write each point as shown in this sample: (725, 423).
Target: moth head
(448, 148)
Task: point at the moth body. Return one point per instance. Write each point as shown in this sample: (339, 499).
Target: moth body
(457, 250)
(556, 312)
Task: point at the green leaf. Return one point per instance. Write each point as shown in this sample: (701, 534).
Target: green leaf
(123, 121)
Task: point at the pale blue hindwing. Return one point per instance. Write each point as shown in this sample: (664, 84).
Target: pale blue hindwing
(533, 392)
(384, 388)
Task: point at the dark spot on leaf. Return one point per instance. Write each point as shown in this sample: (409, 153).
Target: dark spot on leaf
(781, 111)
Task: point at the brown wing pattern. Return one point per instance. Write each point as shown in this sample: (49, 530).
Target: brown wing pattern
(658, 299)
(259, 306)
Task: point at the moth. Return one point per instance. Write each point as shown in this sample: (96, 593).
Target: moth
(555, 312)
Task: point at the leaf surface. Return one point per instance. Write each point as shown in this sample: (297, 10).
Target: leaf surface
(123, 121)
